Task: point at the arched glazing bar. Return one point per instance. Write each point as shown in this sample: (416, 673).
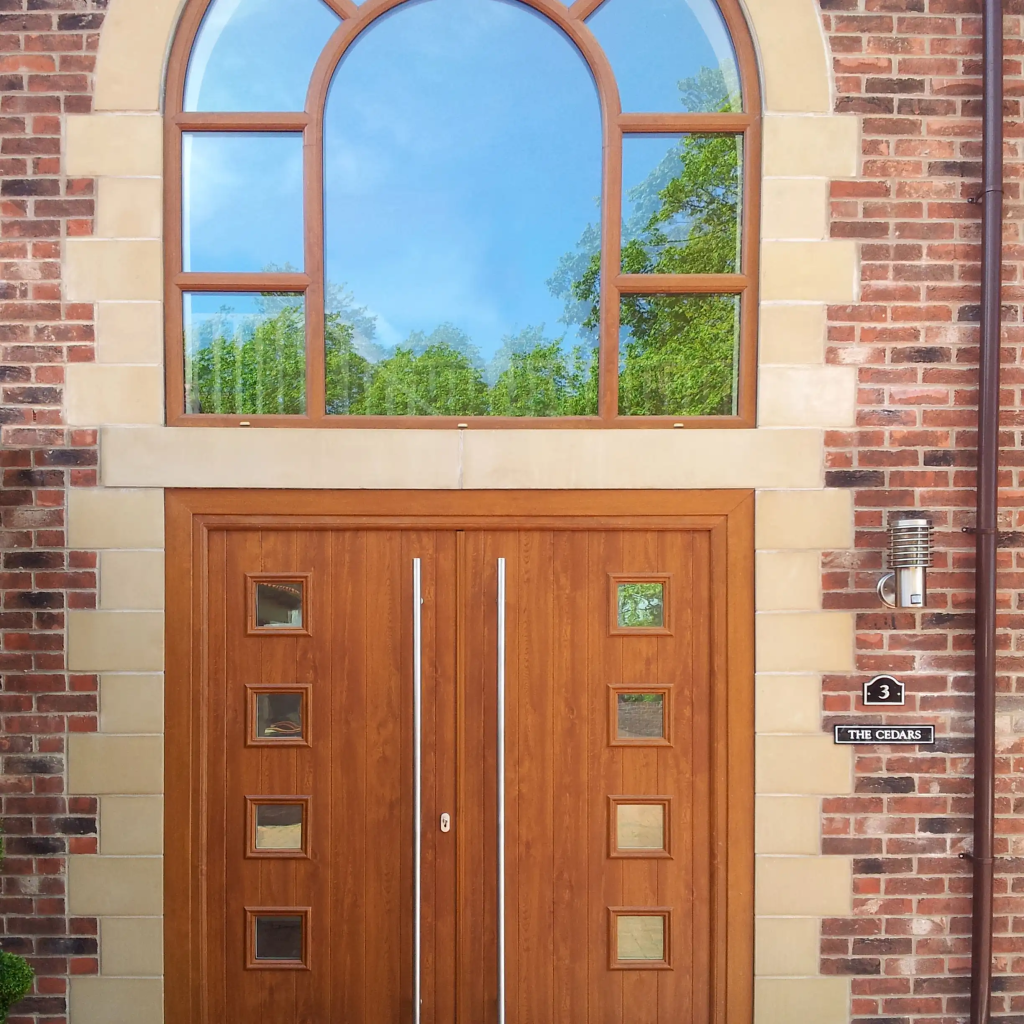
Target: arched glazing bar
(616, 282)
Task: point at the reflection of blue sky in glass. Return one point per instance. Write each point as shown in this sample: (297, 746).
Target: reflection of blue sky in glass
(241, 200)
(257, 54)
(462, 161)
(652, 44)
(648, 164)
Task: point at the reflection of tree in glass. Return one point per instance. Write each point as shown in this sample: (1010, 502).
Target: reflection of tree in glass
(641, 605)
(250, 364)
(679, 352)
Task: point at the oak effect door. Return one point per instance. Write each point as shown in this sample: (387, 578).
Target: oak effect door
(444, 775)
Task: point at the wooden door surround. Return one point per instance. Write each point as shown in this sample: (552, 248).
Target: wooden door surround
(289, 715)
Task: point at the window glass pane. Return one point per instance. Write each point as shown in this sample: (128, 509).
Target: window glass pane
(669, 55)
(681, 204)
(241, 201)
(641, 937)
(279, 716)
(245, 353)
(257, 54)
(279, 605)
(279, 826)
(463, 176)
(640, 826)
(678, 355)
(278, 937)
(641, 605)
(641, 716)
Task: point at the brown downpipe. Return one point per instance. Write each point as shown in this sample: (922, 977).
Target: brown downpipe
(987, 523)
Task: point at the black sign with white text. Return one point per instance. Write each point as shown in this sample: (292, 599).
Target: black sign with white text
(885, 734)
(884, 690)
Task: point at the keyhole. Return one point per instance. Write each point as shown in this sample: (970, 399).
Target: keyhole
(446, 822)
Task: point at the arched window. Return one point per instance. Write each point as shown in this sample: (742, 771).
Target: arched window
(418, 212)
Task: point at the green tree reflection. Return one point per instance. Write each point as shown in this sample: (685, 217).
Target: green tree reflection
(677, 352)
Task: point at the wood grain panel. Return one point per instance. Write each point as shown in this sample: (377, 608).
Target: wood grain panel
(562, 768)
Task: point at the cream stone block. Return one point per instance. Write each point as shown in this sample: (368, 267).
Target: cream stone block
(786, 946)
(803, 1000)
(99, 268)
(275, 457)
(116, 1000)
(785, 824)
(791, 46)
(131, 946)
(807, 396)
(131, 704)
(802, 765)
(788, 580)
(798, 147)
(785, 703)
(100, 641)
(99, 765)
(132, 579)
(804, 641)
(113, 144)
(115, 886)
(639, 458)
(813, 271)
(135, 825)
(794, 208)
(792, 333)
(98, 393)
(129, 67)
(130, 332)
(105, 518)
(803, 886)
(129, 208)
(820, 520)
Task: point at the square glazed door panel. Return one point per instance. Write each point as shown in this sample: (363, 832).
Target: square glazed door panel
(304, 760)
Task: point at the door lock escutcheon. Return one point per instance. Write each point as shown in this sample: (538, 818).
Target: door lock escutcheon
(446, 822)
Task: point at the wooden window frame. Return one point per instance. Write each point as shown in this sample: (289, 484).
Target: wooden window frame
(251, 962)
(252, 803)
(615, 740)
(254, 578)
(616, 579)
(614, 284)
(616, 852)
(253, 691)
(614, 963)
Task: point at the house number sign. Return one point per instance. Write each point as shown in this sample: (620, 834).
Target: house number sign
(884, 690)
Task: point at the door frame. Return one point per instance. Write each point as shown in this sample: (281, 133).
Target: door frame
(728, 516)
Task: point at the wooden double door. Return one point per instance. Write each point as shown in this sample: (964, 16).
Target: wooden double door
(458, 767)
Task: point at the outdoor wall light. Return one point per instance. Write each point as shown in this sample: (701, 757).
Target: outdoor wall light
(910, 555)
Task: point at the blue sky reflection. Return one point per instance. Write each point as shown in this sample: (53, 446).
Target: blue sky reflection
(652, 44)
(462, 161)
(257, 54)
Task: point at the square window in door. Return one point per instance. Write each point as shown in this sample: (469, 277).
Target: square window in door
(278, 714)
(278, 603)
(639, 826)
(639, 938)
(640, 604)
(277, 826)
(640, 716)
(277, 938)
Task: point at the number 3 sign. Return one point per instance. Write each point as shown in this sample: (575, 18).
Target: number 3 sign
(884, 690)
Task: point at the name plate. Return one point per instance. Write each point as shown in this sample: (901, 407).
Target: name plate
(906, 734)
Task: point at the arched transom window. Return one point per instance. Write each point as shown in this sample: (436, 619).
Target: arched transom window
(429, 211)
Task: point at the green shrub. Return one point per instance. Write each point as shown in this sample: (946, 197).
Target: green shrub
(15, 980)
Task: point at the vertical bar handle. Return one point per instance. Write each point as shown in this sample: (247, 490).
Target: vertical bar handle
(500, 762)
(417, 785)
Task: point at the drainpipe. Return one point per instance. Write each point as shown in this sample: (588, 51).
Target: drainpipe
(987, 523)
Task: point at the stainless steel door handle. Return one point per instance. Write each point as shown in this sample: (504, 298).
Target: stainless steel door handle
(500, 759)
(417, 784)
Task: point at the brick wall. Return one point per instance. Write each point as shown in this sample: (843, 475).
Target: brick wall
(47, 50)
(910, 69)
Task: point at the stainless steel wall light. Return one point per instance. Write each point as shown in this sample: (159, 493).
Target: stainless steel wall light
(910, 555)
